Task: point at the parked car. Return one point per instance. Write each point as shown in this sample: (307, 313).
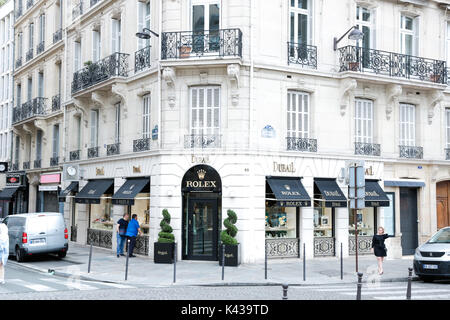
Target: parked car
(36, 233)
(432, 259)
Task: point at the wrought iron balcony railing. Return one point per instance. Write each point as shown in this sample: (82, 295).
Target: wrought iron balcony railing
(367, 149)
(222, 43)
(302, 54)
(29, 55)
(93, 153)
(15, 166)
(57, 36)
(54, 161)
(142, 59)
(29, 3)
(29, 109)
(447, 154)
(94, 2)
(301, 144)
(392, 64)
(37, 163)
(74, 155)
(141, 145)
(56, 102)
(40, 48)
(192, 141)
(18, 62)
(26, 165)
(410, 152)
(113, 149)
(116, 65)
(77, 10)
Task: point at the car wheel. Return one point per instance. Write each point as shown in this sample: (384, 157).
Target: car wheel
(62, 254)
(20, 257)
(427, 279)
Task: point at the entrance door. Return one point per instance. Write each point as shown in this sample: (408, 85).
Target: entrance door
(408, 222)
(442, 208)
(202, 230)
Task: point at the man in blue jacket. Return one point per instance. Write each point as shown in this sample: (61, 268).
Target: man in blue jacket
(132, 231)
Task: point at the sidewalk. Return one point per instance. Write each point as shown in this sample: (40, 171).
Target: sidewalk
(105, 266)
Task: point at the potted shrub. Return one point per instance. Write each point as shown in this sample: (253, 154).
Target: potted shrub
(164, 248)
(185, 51)
(232, 247)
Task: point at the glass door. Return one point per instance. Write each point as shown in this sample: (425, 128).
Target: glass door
(205, 26)
(202, 230)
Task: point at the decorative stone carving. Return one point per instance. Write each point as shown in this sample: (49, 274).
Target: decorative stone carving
(169, 77)
(393, 92)
(436, 98)
(347, 91)
(119, 89)
(33, 179)
(233, 71)
(410, 10)
(370, 4)
(81, 110)
(41, 125)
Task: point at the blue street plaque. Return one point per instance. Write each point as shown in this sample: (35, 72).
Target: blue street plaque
(155, 133)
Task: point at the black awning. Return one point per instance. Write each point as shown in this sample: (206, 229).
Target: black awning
(93, 191)
(375, 196)
(126, 194)
(8, 193)
(72, 188)
(289, 192)
(331, 193)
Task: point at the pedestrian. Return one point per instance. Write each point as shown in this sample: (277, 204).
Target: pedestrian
(379, 248)
(4, 250)
(121, 229)
(132, 232)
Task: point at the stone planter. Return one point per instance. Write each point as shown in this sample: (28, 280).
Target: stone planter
(164, 253)
(232, 255)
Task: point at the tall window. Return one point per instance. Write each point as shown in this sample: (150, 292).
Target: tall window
(38, 145)
(41, 84)
(30, 89)
(94, 128)
(365, 19)
(448, 43)
(447, 127)
(55, 141)
(298, 111)
(146, 117)
(116, 35)
(30, 36)
(363, 121)
(205, 111)
(19, 95)
(78, 128)
(117, 123)
(409, 35)
(17, 155)
(5, 144)
(77, 56)
(20, 45)
(143, 22)
(205, 16)
(96, 45)
(41, 28)
(300, 21)
(407, 125)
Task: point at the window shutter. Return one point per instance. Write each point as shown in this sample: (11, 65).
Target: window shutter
(115, 35)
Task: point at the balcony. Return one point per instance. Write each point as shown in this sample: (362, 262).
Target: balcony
(77, 10)
(392, 64)
(304, 55)
(116, 65)
(409, 152)
(141, 145)
(212, 43)
(56, 103)
(29, 55)
(15, 166)
(113, 149)
(35, 107)
(37, 164)
(92, 152)
(301, 144)
(74, 155)
(57, 36)
(367, 149)
(19, 62)
(54, 161)
(26, 165)
(29, 4)
(202, 141)
(40, 48)
(142, 59)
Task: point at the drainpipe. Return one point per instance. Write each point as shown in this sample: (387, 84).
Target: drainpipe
(251, 77)
(159, 77)
(62, 92)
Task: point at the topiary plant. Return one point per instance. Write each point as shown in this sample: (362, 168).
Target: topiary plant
(228, 236)
(166, 236)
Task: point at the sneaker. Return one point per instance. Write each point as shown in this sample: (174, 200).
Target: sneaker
(118, 256)
(123, 255)
(132, 256)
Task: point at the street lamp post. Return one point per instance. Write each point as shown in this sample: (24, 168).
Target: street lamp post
(146, 34)
(355, 34)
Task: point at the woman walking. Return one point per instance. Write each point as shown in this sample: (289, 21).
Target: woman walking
(4, 250)
(379, 248)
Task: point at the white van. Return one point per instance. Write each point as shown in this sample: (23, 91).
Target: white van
(35, 233)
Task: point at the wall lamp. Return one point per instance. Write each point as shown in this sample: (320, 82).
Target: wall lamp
(146, 34)
(355, 34)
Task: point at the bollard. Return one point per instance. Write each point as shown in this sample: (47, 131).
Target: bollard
(175, 263)
(304, 263)
(358, 291)
(223, 261)
(90, 259)
(265, 261)
(128, 256)
(408, 290)
(285, 291)
(342, 264)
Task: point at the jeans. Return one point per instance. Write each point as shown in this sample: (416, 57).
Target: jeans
(120, 243)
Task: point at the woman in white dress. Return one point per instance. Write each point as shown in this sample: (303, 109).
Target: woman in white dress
(4, 250)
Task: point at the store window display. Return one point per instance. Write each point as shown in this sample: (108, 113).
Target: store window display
(100, 215)
(281, 222)
(365, 222)
(323, 220)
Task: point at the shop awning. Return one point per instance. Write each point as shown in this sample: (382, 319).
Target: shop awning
(94, 190)
(8, 193)
(126, 194)
(289, 192)
(331, 193)
(375, 196)
(72, 188)
(404, 184)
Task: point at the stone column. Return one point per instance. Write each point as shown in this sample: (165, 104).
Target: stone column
(306, 224)
(341, 231)
(82, 222)
(116, 213)
(32, 193)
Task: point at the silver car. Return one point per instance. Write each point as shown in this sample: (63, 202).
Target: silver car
(432, 259)
(35, 233)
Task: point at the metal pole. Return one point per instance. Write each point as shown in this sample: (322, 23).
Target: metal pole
(408, 290)
(342, 264)
(285, 291)
(358, 292)
(304, 263)
(223, 261)
(355, 211)
(175, 263)
(90, 258)
(265, 261)
(128, 256)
